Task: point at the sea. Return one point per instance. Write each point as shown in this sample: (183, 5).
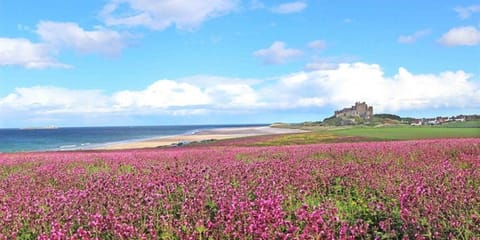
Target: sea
(82, 138)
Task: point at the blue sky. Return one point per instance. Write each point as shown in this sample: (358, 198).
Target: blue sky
(146, 62)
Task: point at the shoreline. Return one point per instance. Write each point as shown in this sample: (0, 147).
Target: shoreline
(91, 138)
(198, 136)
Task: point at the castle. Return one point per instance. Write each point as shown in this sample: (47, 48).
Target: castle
(361, 109)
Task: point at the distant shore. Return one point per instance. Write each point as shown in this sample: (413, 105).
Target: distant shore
(202, 135)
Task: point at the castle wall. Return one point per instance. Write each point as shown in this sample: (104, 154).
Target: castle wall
(361, 109)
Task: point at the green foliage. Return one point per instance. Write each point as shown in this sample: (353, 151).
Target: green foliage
(26, 234)
(388, 116)
(126, 168)
(7, 170)
(408, 120)
(99, 166)
(253, 158)
(354, 203)
(212, 209)
(332, 121)
(234, 182)
(176, 199)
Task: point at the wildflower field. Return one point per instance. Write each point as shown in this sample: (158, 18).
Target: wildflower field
(400, 189)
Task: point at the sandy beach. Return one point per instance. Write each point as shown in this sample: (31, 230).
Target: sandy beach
(210, 134)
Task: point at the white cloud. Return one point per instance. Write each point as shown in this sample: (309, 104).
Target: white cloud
(165, 96)
(52, 100)
(320, 65)
(162, 94)
(414, 37)
(70, 35)
(317, 45)
(291, 7)
(228, 95)
(466, 12)
(348, 83)
(461, 36)
(277, 53)
(22, 52)
(206, 81)
(55, 36)
(309, 90)
(161, 14)
(311, 101)
(328, 63)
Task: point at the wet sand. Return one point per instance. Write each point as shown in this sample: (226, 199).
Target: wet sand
(204, 135)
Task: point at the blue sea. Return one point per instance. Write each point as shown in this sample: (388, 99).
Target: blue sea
(77, 138)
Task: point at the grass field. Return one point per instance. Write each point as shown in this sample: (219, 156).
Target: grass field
(467, 124)
(356, 134)
(404, 133)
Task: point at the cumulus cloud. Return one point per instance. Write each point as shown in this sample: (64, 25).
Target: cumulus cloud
(169, 94)
(70, 35)
(277, 53)
(466, 12)
(166, 96)
(23, 52)
(414, 37)
(461, 36)
(360, 81)
(228, 95)
(51, 100)
(291, 7)
(162, 94)
(55, 36)
(158, 15)
(334, 87)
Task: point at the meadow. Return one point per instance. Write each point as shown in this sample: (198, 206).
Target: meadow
(407, 132)
(420, 189)
(319, 134)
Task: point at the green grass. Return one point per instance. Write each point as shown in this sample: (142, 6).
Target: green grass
(467, 124)
(404, 133)
(330, 134)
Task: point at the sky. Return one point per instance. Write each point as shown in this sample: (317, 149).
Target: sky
(172, 62)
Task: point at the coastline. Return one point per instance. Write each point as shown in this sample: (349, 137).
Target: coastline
(201, 135)
(90, 138)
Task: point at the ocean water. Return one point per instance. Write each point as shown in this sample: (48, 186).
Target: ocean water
(57, 139)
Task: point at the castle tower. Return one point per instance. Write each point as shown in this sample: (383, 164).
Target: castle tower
(360, 109)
